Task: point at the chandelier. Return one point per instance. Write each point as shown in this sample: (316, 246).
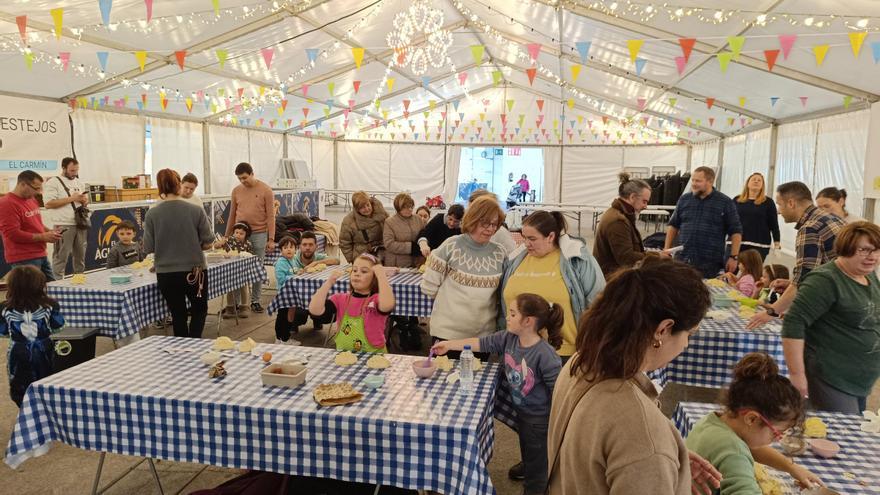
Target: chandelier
(420, 19)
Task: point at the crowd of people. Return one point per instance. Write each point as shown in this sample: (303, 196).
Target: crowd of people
(577, 329)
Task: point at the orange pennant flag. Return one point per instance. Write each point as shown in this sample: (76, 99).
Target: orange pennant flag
(531, 73)
(181, 58)
(770, 56)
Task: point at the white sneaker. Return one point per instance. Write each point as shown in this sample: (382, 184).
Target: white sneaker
(293, 341)
(279, 341)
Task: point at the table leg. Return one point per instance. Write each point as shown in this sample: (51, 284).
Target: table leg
(100, 468)
(156, 476)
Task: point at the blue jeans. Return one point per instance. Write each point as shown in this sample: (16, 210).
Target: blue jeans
(41, 263)
(259, 240)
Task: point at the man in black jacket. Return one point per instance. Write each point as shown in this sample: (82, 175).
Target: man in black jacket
(440, 228)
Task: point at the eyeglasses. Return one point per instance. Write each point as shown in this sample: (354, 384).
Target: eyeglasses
(865, 252)
(777, 435)
(489, 225)
(35, 188)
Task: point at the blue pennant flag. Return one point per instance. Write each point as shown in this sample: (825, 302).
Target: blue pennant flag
(583, 47)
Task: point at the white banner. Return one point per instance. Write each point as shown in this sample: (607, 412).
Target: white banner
(34, 135)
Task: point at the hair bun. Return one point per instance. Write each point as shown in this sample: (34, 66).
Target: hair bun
(755, 366)
(623, 177)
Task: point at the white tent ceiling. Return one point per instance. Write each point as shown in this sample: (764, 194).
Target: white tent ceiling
(610, 101)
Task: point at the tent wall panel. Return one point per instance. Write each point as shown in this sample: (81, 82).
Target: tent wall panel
(733, 168)
(553, 171)
(590, 175)
(653, 156)
(364, 166)
(705, 154)
(266, 151)
(229, 147)
(840, 156)
(418, 169)
(177, 144)
(322, 156)
(450, 173)
(108, 146)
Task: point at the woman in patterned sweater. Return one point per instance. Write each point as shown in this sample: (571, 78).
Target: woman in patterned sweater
(463, 276)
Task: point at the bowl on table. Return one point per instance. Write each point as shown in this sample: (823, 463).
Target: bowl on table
(374, 381)
(120, 278)
(424, 368)
(722, 301)
(824, 448)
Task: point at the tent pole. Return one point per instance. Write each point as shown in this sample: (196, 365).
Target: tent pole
(336, 164)
(690, 156)
(206, 158)
(771, 169)
(720, 163)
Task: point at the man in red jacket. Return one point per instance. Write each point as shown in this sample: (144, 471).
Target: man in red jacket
(21, 226)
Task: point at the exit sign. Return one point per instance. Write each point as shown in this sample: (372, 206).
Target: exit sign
(514, 151)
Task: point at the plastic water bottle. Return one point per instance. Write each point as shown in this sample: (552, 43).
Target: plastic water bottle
(466, 371)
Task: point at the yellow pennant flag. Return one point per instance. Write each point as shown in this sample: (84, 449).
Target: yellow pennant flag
(571, 103)
(846, 101)
(736, 43)
(262, 91)
(820, 51)
(742, 101)
(141, 57)
(29, 60)
(58, 17)
(390, 83)
(477, 53)
(635, 46)
(856, 40)
(575, 72)
(358, 54)
(724, 60)
(432, 104)
(216, 4)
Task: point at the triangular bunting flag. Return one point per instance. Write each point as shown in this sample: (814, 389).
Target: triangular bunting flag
(216, 4)
(240, 93)
(531, 73)
(855, 41)
(22, 27)
(742, 101)
(58, 19)
(534, 49)
(357, 86)
(687, 45)
(105, 6)
(575, 72)
(268, 53)
(426, 80)
(803, 101)
(358, 54)
(635, 46)
(680, 63)
(29, 59)
(583, 48)
(724, 60)
(774, 100)
(770, 56)
(820, 51)
(540, 104)
(672, 102)
(736, 44)
(221, 57)
(477, 53)
(875, 49)
(497, 76)
(189, 105)
(640, 65)
(64, 57)
(331, 88)
(786, 41)
(641, 102)
(141, 57)
(312, 54)
(510, 105)
(149, 6)
(710, 102)
(102, 60)
(846, 101)
(462, 77)
(390, 83)
(181, 58)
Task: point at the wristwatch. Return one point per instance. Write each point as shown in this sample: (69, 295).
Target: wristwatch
(734, 257)
(772, 312)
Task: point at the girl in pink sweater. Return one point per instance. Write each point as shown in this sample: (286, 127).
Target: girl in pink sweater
(751, 269)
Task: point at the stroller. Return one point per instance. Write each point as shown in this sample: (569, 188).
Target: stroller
(513, 196)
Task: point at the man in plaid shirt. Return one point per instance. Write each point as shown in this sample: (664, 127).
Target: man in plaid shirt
(816, 232)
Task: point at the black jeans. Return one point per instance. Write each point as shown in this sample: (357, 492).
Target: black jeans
(284, 328)
(533, 449)
(177, 291)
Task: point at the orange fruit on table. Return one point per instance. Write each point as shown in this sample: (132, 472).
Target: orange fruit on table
(267, 356)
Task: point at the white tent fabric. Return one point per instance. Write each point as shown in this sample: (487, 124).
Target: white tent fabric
(266, 151)
(322, 162)
(417, 169)
(177, 144)
(364, 166)
(553, 172)
(108, 146)
(450, 173)
(229, 147)
(705, 154)
(841, 145)
(591, 175)
(744, 155)
(655, 156)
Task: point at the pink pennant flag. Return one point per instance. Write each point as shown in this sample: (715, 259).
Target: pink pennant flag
(22, 27)
(641, 102)
(534, 49)
(462, 77)
(305, 112)
(149, 5)
(786, 41)
(268, 53)
(357, 86)
(65, 59)
(680, 63)
(803, 101)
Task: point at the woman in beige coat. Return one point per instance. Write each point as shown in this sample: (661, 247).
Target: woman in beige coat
(607, 434)
(401, 233)
(361, 230)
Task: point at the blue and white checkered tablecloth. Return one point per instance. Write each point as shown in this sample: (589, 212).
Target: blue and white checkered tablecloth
(120, 310)
(717, 346)
(142, 400)
(859, 451)
(298, 291)
(272, 257)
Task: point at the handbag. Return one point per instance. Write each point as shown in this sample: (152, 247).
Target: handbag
(81, 214)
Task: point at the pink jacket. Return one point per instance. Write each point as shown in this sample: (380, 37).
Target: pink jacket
(747, 286)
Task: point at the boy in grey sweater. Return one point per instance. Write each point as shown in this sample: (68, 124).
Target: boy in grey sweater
(126, 251)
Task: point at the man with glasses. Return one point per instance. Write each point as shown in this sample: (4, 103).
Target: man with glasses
(21, 226)
(816, 233)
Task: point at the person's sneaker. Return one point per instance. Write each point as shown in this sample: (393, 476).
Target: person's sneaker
(242, 311)
(227, 313)
(517, 472)
(293, 341)
(256, 307)
(279, 342)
